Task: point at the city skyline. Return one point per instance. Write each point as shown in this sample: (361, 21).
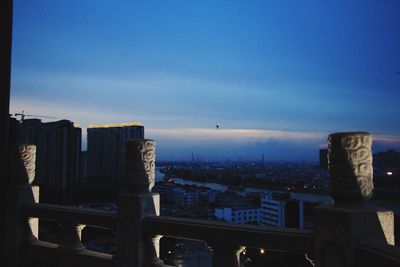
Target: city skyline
(277, 78)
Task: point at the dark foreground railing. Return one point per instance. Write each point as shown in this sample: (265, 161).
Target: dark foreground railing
(69, 251)
(226, 240)
(269, 238)
(382, 255)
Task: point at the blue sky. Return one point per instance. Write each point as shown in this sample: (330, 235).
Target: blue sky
(277, 76)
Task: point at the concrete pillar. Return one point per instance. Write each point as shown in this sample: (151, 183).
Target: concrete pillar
(20, 230)
(350, 221)
(134, 203)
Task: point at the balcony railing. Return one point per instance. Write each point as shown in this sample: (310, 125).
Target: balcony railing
(70, 250)
(348, 233)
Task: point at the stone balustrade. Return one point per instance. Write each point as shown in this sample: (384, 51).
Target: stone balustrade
(270, 238)
(348, 232)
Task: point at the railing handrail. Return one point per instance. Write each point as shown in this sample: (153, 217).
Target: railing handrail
(378, 255)
(86, 216)
(290, 240)
(50, 253)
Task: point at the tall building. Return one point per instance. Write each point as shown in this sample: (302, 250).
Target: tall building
(323, 158)
(105, 152)
(58, 148)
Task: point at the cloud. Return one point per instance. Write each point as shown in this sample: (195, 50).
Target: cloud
(178, 142)
(387, 139)
(233, 135)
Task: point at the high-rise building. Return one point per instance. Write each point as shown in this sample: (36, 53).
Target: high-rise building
(106, 145)
(323, 158)
(58, 148)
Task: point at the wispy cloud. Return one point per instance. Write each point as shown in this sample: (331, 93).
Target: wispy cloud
(234, 135)
(167, 127)
(387, 139)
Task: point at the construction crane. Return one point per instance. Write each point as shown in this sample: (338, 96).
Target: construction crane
(23, 115)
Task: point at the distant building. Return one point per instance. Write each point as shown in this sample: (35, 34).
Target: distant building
(238, 215)
(186, 198)
(237, 209)
(388, 162)
(306, 204)
(207, 197)
(57, 157)
(106, 146)
(323, 158)
(166, 192)
(272, 212)
(232, 199)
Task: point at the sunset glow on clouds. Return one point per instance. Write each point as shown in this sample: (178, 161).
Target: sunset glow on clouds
(232, 135)
(179, 142)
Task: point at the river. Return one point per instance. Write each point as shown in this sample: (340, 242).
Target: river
(220, 187)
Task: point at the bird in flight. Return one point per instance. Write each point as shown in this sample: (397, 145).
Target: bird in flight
(217, 126)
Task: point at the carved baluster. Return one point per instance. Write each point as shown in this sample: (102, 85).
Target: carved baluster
(226, 254)
(134, 203)
(152, 250)
(71, 236)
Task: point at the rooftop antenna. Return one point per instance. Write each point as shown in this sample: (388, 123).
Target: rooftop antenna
(23, 115)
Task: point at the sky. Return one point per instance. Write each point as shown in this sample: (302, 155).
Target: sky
(276, 76)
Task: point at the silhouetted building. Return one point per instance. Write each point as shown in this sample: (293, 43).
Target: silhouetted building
(105, 152)
(58, 148)
(388, 161)
(323, 158)
(84, 165)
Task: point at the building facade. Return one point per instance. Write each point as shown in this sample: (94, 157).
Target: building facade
(272, 212)
(58, 148)
(105, 153)
(239, 215)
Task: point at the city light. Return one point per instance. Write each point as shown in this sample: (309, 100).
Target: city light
(262, 251)
(389, 173)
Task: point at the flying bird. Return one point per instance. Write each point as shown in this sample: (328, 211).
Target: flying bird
(217, 126)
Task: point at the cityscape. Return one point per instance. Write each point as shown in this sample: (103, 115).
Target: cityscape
(268, 193)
